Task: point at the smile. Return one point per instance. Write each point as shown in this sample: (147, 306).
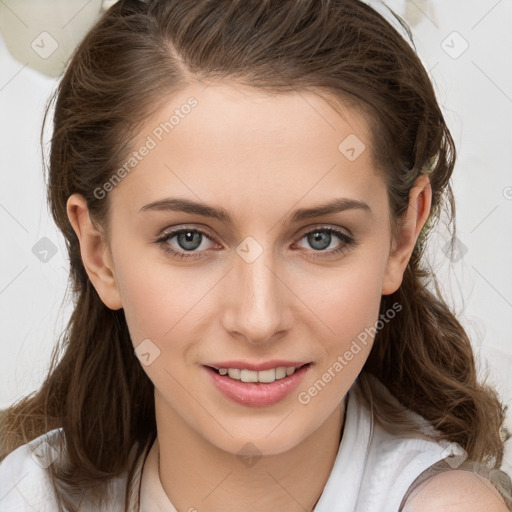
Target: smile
(265, 376)
(257, 386)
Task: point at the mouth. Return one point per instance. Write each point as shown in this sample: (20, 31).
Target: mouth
(262, 376)
(257, 384)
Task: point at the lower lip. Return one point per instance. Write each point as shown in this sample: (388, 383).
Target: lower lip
(257, 394)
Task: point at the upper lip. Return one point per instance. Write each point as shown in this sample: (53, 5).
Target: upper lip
(266, 365)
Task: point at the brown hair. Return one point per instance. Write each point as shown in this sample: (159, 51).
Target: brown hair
(137, 55)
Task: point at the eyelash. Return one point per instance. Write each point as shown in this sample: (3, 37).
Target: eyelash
(348, 242)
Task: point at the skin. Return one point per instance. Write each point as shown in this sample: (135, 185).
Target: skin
(456, 491)
(260, 157)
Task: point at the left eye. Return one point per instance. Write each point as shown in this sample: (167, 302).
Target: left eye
(320, 239)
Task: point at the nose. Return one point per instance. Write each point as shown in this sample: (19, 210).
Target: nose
(255, 307)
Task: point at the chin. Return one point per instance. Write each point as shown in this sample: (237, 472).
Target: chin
(251, 442)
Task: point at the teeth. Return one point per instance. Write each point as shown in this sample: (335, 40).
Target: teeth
(280, 372)
(234, 373)
(248, 376)
(265, 376)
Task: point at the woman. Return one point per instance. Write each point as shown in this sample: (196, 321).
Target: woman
(246, 190)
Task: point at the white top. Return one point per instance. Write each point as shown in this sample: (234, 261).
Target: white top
(372, 472)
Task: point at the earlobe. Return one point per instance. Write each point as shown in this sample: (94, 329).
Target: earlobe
(410, 226)
(95, 252)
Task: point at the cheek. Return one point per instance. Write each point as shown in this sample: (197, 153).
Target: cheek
(349, 307)
(148, 302)
(345, 300)
(161, 302)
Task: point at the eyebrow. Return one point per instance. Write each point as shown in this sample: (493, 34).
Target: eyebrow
(193, 207)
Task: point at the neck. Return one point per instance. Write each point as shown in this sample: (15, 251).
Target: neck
(196, 475)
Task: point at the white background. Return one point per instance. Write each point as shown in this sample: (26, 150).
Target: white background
(474, 88)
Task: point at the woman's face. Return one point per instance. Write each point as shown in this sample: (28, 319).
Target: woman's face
(255, 281)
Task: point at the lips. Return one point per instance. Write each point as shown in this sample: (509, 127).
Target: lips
(257, 384)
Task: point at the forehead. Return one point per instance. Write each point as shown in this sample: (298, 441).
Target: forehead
(242, 146)
(254, 119)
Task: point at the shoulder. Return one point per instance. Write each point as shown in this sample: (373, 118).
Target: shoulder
(24, 482)
(455, 491)
(396, 458)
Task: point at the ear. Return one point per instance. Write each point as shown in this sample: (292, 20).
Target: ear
(420, 200)
(95, 252)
